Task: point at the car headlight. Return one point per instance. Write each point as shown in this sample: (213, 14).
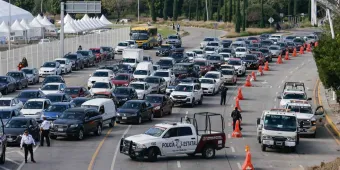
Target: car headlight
(158, 107)
(74, 126)
(291, 139)
(52, 125)
(265, 137)
(38, 113)
(125, 99)
(118, 114)
(140, 146)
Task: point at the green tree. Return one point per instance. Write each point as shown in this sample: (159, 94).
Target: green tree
(225, 12)
(230, 10)
(53, 7)
(295, 7)
(189, 16)
(197, 11)
(175, 11)
(238, 17)
(254, 15)
(289, 7)
(210, 9)
(244, 18)
(262, 15)
(309, 10)
(152, 10)
(219, 10)
(165, 10)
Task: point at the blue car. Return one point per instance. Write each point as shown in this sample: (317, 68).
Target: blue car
(55, 109)
(59, 97)
(30, 94)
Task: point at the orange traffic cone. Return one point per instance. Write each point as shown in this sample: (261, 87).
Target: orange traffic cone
(239, 94)
(266, 66)
(316, 44)
(279, 60)
(237, 133)
(253, 76)
(287, 56)
(301, 50)
(294, 52)
(247, 162)
(304, 46)
(308, 48)
(237, 104)
(248, 84)
(260, 71)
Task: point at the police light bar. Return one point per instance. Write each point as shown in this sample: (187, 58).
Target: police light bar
(299, 101)
(280, 110)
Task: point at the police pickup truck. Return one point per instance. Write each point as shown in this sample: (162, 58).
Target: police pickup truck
(184, 137)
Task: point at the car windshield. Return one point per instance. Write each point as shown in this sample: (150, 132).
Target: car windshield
(162, 74)
(236, 45)
(125, 44)
(282, 44)
(172, 37)
(280, 123)
(61, 61)
(225, 55)
(50, 87)
(252, 38)
(72, 115)
(137, 86)
(131, 105)
(212, 44)
(90, 107)
(5, 114)
(208, 39)
(264, 50)
(225, 50)
(49, 64)
(107, 49)
(28, 94)
(55, 98)
(266, 42)
(274, 48)
(27, 71)
(184, 88)
(290, 37)
(209, 49)
(84, 53)
(297, 96)
(198, 52)
(190, 54)
(72, 90)
(100, 74)
(95, 51)
(301, 109)
(136, 36)
(129, 60)
(53, 79)
(122, 91)
(165, 62)
(56, 108)
(14, 74)
(250, 57)
(200, 63)
(227, 72)
(121, 77)
(71, 57)
(240, 50)
(214, 57)
(290, 44)
(101, 85)
(152, 80)
(146, 58)
(3, 79)
(155, 131)
(298, 40)
(141, 72)
(34, 105)
(17, 123)
(211, 75)
(177, 55)
(154, 99)
(234, 62)
(79, 102)
(207, 81)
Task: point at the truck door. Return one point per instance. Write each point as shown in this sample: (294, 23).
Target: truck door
(169, 142)
(320, 116)
(187, 140)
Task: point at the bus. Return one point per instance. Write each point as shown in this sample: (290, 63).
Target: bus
(145, 36)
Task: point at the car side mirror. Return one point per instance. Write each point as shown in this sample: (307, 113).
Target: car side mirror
(279, 97)
(258, 121)
(309, 98)
(259, 127)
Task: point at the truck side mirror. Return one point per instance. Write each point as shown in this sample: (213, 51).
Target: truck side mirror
(319, 110)
(279, 97)
(258, 121)
(309, 98)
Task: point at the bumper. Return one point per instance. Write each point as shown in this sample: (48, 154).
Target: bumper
(64, 70)
(36, 117)
(252, 66)
(31, 81)
(42, 74)
(181, 101)
(13, 140)
(64, 133)
(229, 81)
(308, 130)
(208, 91)
(127, 119)
(127, 150)
(162, 53)
(278, 144)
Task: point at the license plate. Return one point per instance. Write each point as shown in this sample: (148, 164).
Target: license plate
(60, 129)
(279, 143)
(9, 139)
(127, 152)
(123, 117)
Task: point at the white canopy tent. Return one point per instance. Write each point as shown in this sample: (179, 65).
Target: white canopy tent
(37, 28)
(85, 17)
(94, 23)
(85, 25)
(77, 24)
(99, 22)
(29, 31)
(4, 29)
(67, 19)
(70, 29)
(39, 17)
(105, 21)
(47, 24)
(16, 13)
(18, 29)
(89, 23)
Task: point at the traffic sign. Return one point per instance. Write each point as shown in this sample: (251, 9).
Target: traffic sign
(83, 7)
(271, 20)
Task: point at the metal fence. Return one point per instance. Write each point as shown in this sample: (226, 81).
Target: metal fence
(37, 54)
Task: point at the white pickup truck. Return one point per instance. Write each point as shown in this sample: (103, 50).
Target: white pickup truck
(170, 139)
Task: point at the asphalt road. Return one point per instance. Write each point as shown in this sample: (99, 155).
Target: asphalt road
(101, 153)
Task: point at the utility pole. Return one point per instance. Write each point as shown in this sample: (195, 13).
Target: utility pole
(62, 5)
(41, 6)
(138, 11)
(206, 7)
(9, 32)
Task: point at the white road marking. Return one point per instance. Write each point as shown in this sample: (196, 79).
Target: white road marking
(23, 162)
(117, 149)
(11, 152)
(279, 86)
(20, 153)
(274, 99)
(229, 136)
(15, 162)
(4, 168)
(178, 164)
(301, 167)
(232, 149)
(239, 165)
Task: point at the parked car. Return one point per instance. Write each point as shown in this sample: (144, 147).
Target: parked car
(78, 101)
(7, 84)
(102, 86)
(157, 84)
(17, 125)
(96, 52)
(32, 75)
(89, 57)
(33, 108)
(50, 68)
(108, 53)
(76, 59)
(10, 102)
(267, 54)
(142, 89)
(106, 108)
(77, 91)
(124, 94)
(51, 88)
(135, 111)
(25, 95)
(122, 79)
(65, 64)
(20, 78)
(9, 113)
(53, 79)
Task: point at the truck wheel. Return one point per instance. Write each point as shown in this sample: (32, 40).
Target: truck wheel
(314, 135)
(152, 155)
(53, 137)
(133, 157)
(193, 102)
(3, 156)
(201, 101)
(208, 152)
(263, 148)
(98, 131)
(80, 135)
(112, 123)
(259, 139)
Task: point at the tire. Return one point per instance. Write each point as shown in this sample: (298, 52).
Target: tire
(139, 121)
(26, 85)
(214, 92)
(161, 113)
(292, 149)
(53, 137)
(80, 135)
(192, 103)
(151, 117)
(6, 91)
(170, 112)
(3, 156)
(259, 139)
(263, 148)
(133, 157)
(98, 131)
(112, 123)
(152, 155)
(208, 152)
(313, 135)
(117, 121)
(201, 101)
(20, 86)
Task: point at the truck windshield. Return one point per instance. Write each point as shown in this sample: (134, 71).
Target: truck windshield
(301, 109)
(280, 123)
(129, 60)
(139, 36)
(297, 96)
(155, 131)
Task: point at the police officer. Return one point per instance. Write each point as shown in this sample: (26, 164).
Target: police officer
(236, 116)
(224, 90)
(27, 142)
(44, 132)
(24, 62)
(80, 48)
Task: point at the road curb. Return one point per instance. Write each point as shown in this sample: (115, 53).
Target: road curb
(328, 119)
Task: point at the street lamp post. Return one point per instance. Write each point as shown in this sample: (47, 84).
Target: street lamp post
(9, 31)
(138, 11)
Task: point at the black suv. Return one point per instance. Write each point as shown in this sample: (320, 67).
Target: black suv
(89, 57)
(77, 60)
(77, 122)
(20, 78)
(165, 50)
(187, 69)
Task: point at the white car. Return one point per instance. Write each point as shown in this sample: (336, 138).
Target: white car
(132, 43)
(168, 76)
(65, 64)
(227, 66)
(102, 75)
(238, 65)
(191, 55)
(101, 86)
(10, 102)
(226, 56)
(200, 53)
(210, 50)
(209, 86)
(241, 52)
(142, 89)
(215, 44)
(44, 41)
(50, 68)
(216, 75)
(50, 88)
(121, 47)
(34, 107)
(288, 95)
(229, 76)
(206, 40)
(187, 93)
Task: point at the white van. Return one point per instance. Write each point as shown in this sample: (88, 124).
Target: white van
(279, 37)
(143, 70)
(106, 108)
(132, 56)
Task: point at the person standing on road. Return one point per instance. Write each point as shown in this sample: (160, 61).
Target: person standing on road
(24, 62)
(27, 142)
(178, 26)
(236, 115)
(45, 132)
(173, 25)
(224, 90)
(80, 48)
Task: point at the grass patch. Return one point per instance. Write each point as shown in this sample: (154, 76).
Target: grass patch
(249, 32)
(165, 31)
